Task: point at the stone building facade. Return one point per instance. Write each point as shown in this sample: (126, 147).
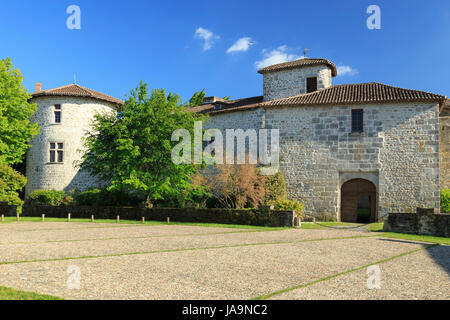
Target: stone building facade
(65, 115)
(444, 146)
(348, 152)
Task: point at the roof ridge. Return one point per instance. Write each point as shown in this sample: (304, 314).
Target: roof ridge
(61, 87)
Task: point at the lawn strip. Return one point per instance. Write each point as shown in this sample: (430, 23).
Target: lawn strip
(13, 294)
(130, 238)
(131, 223)
(270, 295)
(183, 249)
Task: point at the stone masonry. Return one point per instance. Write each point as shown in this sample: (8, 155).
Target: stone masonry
(292, 82)
(77, 116)
(398, 152)
(444, 151)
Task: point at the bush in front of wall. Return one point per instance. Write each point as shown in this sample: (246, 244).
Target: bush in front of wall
(445, 200)
(49, 197)
(290, 205)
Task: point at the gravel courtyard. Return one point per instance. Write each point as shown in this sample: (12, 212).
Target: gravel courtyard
(188, 262)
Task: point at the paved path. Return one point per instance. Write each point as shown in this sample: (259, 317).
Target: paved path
(187, 262)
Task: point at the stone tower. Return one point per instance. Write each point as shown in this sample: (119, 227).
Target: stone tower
(65, 115)
(297, 77)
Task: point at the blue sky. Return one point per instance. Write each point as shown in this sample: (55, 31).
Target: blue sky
(163, 43)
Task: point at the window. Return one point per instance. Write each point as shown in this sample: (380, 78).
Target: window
(311, 84)
(357, 120)
(57, 113)
(56, 152)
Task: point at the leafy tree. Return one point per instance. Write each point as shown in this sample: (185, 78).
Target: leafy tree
(197, 98)
(15, 112)
(10, 182)
(445, 200)
(132, 150)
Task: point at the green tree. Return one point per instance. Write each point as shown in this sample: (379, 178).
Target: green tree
(15, 112)
(10, 182)
(132, 150)
(197, 98)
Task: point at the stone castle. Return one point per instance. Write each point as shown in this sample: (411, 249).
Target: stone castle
(351, 152)
(64, 114)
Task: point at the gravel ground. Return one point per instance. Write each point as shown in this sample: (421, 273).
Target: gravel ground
(256, 267)
(421, 275)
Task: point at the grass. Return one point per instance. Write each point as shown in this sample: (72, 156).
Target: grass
(13, 294)
(322, 225)
(276, 293)
(147, 223)
(378, 227)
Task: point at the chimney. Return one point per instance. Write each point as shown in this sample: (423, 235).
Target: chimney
(38, 87)
(212, 99)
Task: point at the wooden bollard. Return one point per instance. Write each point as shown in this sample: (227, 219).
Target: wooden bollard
(3, 218)
(168, 220)
(118, 219)
(43, 218)
(143, 220)
(68, 217)
(92, 218)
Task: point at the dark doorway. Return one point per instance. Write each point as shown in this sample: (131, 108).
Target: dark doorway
(358, 201)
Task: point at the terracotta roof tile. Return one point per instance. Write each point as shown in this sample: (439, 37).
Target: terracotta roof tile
(75, 90)
(305, 62)
(337, 95)
(356, 93)
(225, 105)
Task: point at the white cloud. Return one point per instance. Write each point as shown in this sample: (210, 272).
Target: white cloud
(207, 36)
(241, 45)
(346, 70)
(278, 55)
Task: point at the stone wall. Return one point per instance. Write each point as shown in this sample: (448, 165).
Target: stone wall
(444, 151)
(287, 83)
(256, 217)
(419, 223)
(398, 152)
(77, 117)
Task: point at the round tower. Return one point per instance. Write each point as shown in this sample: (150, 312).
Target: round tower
(65, 115)
(297, 77)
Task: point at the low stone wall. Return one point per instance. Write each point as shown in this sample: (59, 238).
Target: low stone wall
(419, 223)
(255, 217)
(8, 210)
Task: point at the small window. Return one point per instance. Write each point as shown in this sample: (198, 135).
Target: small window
(56, 152)
(357, 120)
(58, 113)
(311, 84)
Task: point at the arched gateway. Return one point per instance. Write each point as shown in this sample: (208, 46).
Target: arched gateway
(358, 201)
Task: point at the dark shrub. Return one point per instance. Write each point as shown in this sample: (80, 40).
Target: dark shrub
(106, 198)
(89, 197)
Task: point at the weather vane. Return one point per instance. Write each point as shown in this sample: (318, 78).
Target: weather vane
(305, 52)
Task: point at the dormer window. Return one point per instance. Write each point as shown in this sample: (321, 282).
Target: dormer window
(57, 113)
(311, 84)
(218, 107)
